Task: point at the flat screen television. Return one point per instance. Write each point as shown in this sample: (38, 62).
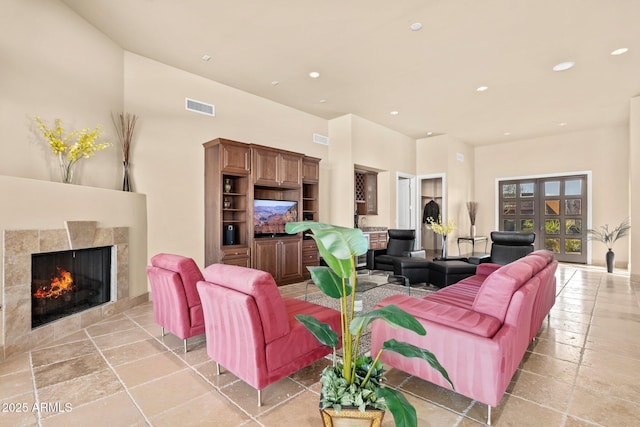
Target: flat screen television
(270, 216)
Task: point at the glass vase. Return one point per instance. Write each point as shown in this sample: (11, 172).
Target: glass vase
(126, 184)
(66, 169)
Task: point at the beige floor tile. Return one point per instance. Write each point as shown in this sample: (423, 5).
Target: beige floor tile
(514, 411)
(131, 352)
(82, 390)
(17, 411)
(14, 364)
(208, 371)
(62, 352)
(115, 410)
(246, 396)
(561, 370)
(117, 339)
(169, 391)
(65, 370)
(300, 411)
(556, 350)
(602, 409)
(541, 389)
(150, 368)
(120, 323)
(207, 410)
(436, 394)
(15, 384)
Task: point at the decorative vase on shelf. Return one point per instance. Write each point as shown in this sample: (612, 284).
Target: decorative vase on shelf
(66, 170)
(226, 203)
(126, 185)
(227, 185)
(472, 231)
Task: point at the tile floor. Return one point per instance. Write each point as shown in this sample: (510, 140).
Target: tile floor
(583, 370)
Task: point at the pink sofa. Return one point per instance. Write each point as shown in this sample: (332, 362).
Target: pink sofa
(176, 303)
(479, 328)
(251, 329)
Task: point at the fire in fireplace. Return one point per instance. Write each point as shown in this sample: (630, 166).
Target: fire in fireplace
(67, 282)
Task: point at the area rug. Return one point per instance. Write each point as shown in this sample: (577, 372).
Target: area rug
(369, 299)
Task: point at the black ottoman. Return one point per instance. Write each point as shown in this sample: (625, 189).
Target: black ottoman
(447, 272)
(413, 268)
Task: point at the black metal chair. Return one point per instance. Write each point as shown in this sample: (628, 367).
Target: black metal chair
(399, 244)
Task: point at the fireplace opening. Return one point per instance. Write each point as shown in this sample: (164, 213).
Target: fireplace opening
(67, 282)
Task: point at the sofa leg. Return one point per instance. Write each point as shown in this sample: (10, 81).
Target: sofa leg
(259, 397)
(488, 415)
(162, 335)
(217, 368)
(185, 345)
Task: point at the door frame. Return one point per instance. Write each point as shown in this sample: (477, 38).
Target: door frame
(412, 198)
(443, 207)
(588, 174)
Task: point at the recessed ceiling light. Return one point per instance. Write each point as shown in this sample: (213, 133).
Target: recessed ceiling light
(314, 74)
(275, 83)
(394, 113)
(415, 26)
(562, 124)
(429, 133)
(322, 101)
(507, 133)
(620, 51)
(482, 88)
(563, 66)
(206, 57)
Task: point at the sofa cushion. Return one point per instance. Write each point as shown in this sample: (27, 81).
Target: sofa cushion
(495, 293)
(261, 286)
(187, 269)
(446, 314)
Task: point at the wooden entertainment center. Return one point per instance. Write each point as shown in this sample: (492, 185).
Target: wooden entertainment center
(238, 173)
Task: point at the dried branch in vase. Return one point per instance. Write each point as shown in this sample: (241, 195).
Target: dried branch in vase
(125, 123)
(472, 208)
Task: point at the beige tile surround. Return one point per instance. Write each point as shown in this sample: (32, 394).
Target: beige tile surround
(16, 335)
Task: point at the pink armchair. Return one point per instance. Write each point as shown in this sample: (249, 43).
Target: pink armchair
(176, 303)
(252, 331)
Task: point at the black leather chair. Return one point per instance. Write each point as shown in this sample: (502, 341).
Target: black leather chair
(399, 244)
(508, 246)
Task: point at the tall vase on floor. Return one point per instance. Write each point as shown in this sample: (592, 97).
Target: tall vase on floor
(610, 258)
(444, 246)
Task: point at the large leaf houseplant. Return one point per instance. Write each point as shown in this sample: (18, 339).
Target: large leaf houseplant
(357, 380)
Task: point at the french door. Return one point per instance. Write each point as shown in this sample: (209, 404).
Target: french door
(555, 208)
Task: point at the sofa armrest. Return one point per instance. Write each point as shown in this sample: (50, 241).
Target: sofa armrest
(447, 315)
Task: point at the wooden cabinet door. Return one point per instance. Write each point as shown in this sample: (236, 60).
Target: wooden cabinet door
(310, 170)
(290, 261)
(372, 194)
(234, 158)
(265, 167)
(265, 256)
(290, 170)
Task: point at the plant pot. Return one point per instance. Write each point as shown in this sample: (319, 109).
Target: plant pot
(351, 417)
(611, 256)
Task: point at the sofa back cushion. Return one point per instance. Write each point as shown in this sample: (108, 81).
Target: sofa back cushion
(259, 285)
(188, 271)
(495, 294)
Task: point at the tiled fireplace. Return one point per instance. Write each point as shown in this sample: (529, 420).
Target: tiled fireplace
(19, 249)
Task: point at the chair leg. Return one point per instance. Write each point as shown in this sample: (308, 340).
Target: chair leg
(259, 398)
(162, 332)
(217, 368)
(185, 345)
(488, 415)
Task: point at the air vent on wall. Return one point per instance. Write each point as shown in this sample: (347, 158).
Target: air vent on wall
(200, 107)
(320, 139)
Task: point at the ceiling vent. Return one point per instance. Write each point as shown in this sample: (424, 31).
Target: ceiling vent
(200, 107)
(320, 139)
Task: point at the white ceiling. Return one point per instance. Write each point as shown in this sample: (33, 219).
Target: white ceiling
(371, 63)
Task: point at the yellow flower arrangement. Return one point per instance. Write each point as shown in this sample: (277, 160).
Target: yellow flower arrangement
(439, 228)
(84, 147)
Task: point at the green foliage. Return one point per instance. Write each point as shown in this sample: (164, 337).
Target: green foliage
(609, 237)
(357, 381)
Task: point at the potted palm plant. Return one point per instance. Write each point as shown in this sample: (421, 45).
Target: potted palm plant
(609, 237)
(357, 380)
